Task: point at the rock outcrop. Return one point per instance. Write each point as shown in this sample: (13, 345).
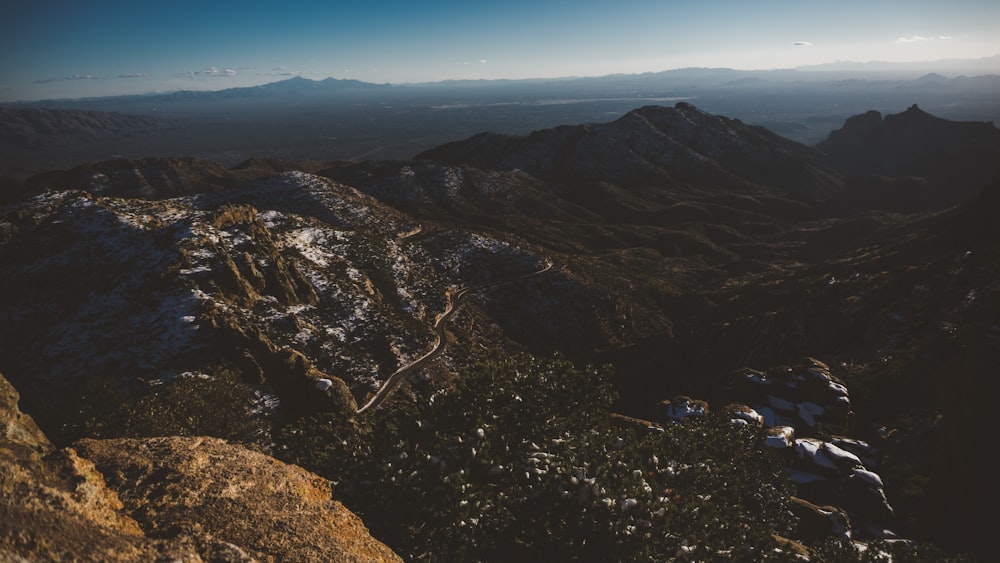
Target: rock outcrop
(805, 414)
(270, 510)
(55, 506)
(165, 499)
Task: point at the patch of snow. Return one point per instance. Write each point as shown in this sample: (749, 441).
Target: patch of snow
(770, 417)
(869, 477)
(779, 437)
(809, 411)
(781, 404)
(837, 388)
(813, 451)
(842, 456)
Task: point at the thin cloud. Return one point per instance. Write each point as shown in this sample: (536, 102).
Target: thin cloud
(802, 44)
(210, 71)
(283, 71)
(72, 77)
(922, 38)
(213, 71)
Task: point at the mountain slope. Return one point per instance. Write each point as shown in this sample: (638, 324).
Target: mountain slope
(46, 128)
(944, 162)
(682, 146)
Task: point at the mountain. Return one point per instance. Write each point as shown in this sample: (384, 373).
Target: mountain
(679, 145)
(27, 133)
(945, 162)
(263, 303)
(327, 120)
(46, 128)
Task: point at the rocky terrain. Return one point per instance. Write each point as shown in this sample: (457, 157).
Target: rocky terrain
(149, 304)
(177, 499)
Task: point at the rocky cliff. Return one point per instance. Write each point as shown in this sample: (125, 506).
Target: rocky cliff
(164, 499)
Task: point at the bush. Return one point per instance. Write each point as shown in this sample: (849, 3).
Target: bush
(518, 460)
(220, 405)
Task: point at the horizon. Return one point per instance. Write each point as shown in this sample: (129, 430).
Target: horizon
(64, 50)
(883, 68)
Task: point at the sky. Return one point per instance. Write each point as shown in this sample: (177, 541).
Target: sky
(83, 48)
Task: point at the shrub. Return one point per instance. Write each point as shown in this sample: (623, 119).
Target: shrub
(518, 460)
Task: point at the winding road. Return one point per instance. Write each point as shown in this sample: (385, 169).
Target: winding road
(454, 301)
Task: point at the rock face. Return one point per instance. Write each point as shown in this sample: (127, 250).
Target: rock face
(186, 500)
(54, 505)
(272, 511)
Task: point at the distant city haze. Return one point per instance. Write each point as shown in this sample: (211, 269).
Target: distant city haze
(73, 49)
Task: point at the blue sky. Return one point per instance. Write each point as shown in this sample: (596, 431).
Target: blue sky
(72, 48)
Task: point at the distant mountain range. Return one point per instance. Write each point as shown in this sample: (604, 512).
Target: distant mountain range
(302, 119)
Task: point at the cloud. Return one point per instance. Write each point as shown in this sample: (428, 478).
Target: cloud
(89, 77)
(210, 71)
(802, 44)
(482, 61)
(922, 38)
(213, 71)
(283, 71)
(72, 77)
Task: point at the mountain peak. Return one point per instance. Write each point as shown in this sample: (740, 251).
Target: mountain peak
(915, 143)
(651, 146)
(915, 111)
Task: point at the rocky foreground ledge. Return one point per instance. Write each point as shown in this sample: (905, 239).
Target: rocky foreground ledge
(164, 499)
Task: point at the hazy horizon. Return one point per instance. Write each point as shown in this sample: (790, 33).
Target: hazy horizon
(66, 49)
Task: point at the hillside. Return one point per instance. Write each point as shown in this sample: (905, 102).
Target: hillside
(691, 253)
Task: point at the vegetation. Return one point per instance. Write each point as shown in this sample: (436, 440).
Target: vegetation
(220, 405)
(518, 459)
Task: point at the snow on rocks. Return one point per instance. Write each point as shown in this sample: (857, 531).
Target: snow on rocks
(681, 407)
(794, 406)
(779, 437)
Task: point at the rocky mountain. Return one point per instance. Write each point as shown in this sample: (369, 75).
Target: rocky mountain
(682, 146)
(943, 162)
(177, 297)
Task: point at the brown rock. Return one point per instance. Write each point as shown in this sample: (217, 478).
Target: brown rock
(271, 510)
(17, 428)
(56, 506)
(818, 522)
